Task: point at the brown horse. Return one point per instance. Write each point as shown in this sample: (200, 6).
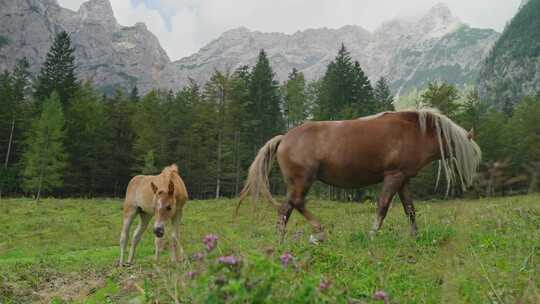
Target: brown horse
(389, 147)
(163, 195)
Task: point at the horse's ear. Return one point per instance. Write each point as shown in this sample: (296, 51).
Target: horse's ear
(171, 188)
(471, 134)
(154, 187)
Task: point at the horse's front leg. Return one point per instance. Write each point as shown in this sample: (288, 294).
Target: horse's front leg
(392, 183)
(406, 199)
(175, 236)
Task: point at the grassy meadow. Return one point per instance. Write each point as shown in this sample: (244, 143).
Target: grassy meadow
(467, 251)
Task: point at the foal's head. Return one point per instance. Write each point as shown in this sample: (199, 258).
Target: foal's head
(165, 207)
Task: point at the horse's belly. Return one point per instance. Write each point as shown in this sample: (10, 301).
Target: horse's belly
(348, 177)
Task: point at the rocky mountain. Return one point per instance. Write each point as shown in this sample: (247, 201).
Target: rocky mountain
(512, 69)
(107, 53)
(409, 52)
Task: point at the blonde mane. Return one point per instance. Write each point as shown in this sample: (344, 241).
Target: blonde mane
(460, 157)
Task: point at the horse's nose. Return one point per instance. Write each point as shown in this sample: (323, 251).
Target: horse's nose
(159, 231)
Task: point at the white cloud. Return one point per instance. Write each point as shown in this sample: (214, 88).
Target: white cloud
(194, 23)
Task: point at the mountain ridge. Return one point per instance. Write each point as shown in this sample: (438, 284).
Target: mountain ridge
(409, 52)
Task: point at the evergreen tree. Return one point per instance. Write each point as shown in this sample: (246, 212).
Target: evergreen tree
(442, 96)
(45, 158)
(58, 71)
(149, 164)
(265, 102)
(345, 90)
(383, 96)
(134, 94)
(120, 135)
(295, 101)
(362, 99)
(217, 91)
(85, 142)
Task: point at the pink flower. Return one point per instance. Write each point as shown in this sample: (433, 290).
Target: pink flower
(381, 296)
(229, 260)
(286, 258)
(210, 241)
(192, 274)
(324, 284)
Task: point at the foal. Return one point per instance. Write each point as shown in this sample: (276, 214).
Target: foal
(163, 195)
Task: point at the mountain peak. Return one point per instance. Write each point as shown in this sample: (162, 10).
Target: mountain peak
(98, 11)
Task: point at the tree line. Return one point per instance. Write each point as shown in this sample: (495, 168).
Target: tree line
(63, 137)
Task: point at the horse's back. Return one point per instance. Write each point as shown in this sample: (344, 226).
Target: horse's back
(349, 153)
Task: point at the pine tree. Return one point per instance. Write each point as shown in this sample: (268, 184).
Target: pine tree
(58, 71)
(217, 91)
(149, 167)
(345, 90)
(13, 91)
(45, 158)
(442, 96)
(265, 106)
(85, 141)
(295, 101)
(134, 94)
(383, 96)
(120, 135)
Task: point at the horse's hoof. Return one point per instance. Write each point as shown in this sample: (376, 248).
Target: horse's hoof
(372, 234)
(316, 239)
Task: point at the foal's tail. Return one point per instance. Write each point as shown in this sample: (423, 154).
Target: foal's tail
(257, 182)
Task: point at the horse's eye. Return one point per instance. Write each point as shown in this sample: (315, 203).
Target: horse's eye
(169, 208)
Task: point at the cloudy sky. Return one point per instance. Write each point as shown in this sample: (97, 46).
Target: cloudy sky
(184, 26)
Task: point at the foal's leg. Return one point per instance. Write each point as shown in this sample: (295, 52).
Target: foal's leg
(392, 183)
(406, 199)
(175, 235)
(129, 214)
(145, 219)
(158, 243)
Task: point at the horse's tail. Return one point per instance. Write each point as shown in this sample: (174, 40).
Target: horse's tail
(257, 181)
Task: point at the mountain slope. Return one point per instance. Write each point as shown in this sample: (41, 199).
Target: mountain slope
(106, 53)
(409, 52)
(512, 69)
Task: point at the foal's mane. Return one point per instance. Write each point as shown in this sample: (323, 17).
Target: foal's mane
(460, 155)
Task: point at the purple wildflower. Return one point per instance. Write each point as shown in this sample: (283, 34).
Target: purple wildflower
(229, 260)
(192, 274)
(286, 258)
(210, 241)
(381, 296)
(324, 285)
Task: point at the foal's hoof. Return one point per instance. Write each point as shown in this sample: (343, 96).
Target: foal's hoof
(318, 238)
(372, 234)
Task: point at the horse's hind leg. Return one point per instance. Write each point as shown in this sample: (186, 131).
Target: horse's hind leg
(284, 212)
(129, 214)
(406, 199)
(392, 183)
(145, 219)
(296, 198)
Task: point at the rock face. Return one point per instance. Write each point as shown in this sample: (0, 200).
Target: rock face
(409, 52)
(106, 53)
(512, 69)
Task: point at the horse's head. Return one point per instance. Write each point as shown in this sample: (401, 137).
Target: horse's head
(165, 207)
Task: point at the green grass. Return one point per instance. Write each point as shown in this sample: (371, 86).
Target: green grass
(485, 251)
